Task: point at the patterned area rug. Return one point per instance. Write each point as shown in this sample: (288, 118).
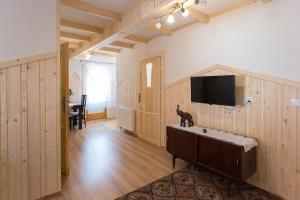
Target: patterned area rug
(195, 182)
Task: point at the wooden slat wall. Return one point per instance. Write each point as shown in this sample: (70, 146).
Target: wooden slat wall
(270, 118)
(30, 157)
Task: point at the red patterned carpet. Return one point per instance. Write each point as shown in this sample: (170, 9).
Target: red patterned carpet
(195, 182)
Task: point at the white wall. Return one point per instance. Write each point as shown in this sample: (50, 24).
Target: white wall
(263, 38)
(28, 27)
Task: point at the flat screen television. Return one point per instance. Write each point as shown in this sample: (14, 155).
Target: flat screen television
(214, 90)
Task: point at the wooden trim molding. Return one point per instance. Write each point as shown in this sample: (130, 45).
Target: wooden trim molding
(240, 71)
(136, 39)
(29, 59)
(122, 45)
(75, 36)
(93, 10)
(80, 26)
(96, 116)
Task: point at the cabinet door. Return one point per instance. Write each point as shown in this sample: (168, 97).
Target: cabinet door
(220, 156)
(182, 144)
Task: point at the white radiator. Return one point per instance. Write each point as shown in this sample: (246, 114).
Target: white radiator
(126, 118)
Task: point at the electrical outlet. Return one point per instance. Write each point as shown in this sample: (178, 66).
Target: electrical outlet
(295, 102)
(249, 99)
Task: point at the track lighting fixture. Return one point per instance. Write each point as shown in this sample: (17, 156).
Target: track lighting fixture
(171, 19)
(158, 25)
(88, 56)
(201, 3)
(185, 12)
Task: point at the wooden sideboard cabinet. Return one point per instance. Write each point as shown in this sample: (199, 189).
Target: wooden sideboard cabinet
(220, 156)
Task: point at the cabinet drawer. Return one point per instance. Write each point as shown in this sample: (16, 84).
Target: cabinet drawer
(182, 144)
(220, 156)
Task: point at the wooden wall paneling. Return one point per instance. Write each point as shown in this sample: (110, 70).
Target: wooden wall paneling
(168, 107)
(271, 119)
(51, 127)
(298, 149)
(14, 132)
(175, 102)
(42, 84)
(289, 144)
(34, 140)
(1, 77)
(267, 175)
(253, 117)
(4, 137)
(279, 155)
(23, 143)
(24, 107)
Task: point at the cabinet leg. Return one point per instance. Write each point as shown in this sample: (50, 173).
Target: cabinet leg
(173, 161)
(229, 187)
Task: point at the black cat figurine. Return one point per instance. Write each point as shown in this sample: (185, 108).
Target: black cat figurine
(185, 116)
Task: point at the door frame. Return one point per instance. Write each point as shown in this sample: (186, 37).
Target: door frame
(64, 105)
(162, 95)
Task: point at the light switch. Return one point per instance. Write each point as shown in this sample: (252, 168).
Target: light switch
(295, 102)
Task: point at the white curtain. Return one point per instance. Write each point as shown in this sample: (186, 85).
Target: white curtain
(99, 85)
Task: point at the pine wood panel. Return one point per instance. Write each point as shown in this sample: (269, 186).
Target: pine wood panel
(271, 119)
(14, 132)
(149, 109)
(4, 144)
(29, 152)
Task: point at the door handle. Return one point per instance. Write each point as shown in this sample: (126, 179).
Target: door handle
(139, 98)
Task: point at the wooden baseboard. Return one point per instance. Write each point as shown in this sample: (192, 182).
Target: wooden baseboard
(96, 116)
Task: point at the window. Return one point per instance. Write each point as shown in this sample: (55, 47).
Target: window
(149, 67)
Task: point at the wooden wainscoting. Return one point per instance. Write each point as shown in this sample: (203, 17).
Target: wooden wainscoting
(270, 118)
(30, 128)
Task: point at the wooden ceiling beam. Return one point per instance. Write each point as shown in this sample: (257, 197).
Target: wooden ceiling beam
(80, 26)
(122, 45)
(139, 18)
(162, 30)
(74, 45)
(239, 5)
(198, 15)
(75, 36)
(136, 39)
(93, 10)
(111, 50)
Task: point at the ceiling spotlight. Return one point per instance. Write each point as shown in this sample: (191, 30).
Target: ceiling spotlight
(201, 3)
(88, 56)
(158, 25)
(185, 12)
(171, 19)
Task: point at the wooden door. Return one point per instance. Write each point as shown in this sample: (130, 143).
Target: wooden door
(150, 100)
(64, 86)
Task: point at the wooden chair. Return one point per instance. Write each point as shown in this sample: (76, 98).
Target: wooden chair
(77, 115)
(83, 102)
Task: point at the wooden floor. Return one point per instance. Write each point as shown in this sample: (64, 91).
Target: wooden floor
(106, 163)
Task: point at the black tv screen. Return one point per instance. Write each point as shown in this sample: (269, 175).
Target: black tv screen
(217, 90)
